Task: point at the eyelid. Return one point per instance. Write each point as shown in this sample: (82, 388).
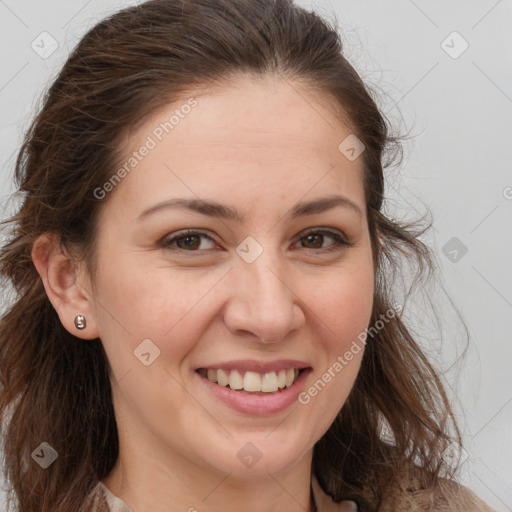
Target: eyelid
(323, 231)
(341, 241)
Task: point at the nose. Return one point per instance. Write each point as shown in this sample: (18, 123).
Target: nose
(262, 302)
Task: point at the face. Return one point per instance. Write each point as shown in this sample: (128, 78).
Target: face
(237, 242)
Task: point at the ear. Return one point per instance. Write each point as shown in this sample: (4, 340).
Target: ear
(66, 284)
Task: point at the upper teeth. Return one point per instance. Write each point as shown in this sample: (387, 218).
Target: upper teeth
(252, 381)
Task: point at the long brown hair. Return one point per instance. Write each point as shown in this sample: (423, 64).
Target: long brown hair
(56, 387)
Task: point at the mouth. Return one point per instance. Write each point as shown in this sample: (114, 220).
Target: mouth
(251, 382)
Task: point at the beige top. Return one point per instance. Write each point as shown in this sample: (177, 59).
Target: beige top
(450, 498)
(105, 501)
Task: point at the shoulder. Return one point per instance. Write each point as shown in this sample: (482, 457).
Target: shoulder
(95, 501)
(101, 499)
(324, 502)
(447, 496)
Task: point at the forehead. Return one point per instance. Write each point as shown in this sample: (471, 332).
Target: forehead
(271, 131)
(264, 110)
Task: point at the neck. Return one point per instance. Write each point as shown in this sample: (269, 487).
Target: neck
(151, 486)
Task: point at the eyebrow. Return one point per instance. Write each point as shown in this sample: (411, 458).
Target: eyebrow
(214, 209)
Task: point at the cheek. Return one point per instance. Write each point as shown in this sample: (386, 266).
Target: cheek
(342, 307)
(140, 301)
(161, 304)
(346, 316)
(343, 303)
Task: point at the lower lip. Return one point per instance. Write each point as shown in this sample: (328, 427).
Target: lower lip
(270, 403)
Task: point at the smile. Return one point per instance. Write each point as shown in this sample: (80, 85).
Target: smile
(250, 381)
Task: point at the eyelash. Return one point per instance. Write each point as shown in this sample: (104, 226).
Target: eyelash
(339, 244)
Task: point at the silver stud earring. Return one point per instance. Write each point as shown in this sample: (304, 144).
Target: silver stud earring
(80, 322)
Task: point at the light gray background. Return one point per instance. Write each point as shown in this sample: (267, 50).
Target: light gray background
(459, 110)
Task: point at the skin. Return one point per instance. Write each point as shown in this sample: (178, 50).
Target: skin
(260, 147)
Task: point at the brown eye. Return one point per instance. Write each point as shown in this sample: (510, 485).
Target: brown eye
(317, 239)
(187, 241)
(313, 241)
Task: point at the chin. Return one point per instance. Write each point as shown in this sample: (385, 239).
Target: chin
(257, 455)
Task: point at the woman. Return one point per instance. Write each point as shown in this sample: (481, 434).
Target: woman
(204, 319)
